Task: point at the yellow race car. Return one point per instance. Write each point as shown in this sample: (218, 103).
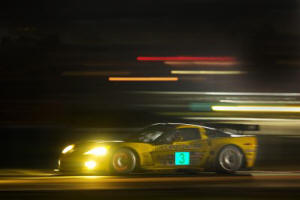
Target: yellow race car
(163, 146)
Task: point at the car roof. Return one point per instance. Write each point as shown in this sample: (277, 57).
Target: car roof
(175, 125)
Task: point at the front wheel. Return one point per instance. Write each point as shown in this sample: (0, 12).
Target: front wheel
(230, 159)
(124, 161)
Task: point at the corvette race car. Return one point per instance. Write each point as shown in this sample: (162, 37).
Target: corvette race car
(163, 146)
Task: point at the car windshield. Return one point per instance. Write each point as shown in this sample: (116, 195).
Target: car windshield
(150, 134)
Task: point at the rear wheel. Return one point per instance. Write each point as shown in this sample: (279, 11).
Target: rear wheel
(124, 161)
(230, 159)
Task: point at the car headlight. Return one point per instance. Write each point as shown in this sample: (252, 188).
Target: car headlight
(97, 151)
(68, 149)
(91, 164)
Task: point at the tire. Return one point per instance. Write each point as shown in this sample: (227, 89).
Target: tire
(124, 161)
(230, 159)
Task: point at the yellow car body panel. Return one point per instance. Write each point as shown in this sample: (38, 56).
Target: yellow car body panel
(202, 152)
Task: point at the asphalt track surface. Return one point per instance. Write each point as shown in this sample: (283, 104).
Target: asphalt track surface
(254, 185)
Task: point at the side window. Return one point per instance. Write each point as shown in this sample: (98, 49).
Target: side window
(166, 138)
(150, 136)
(210, 133)
(215, 133)
(188, 134)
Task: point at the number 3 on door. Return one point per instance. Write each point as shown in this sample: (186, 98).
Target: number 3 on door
(182, 158)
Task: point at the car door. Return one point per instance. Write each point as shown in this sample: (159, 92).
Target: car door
(163, 153)
(191, 148)
(181, 148)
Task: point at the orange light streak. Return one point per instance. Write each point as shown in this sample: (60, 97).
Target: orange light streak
(143, 79)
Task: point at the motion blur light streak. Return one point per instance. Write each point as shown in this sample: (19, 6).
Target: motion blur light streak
(201, 63)
(185, 58)
(242, 119)
(256, 108)
(258, 102)
(221, 93)
(92, 177)
(208, 72)
(94, 73)
(143, 78)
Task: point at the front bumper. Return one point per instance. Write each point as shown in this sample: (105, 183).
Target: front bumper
(74, 164)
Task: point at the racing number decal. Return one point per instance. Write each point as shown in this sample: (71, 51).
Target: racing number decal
(182, 158)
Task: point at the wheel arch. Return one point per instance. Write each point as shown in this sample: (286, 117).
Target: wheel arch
(244, 163)
(138, 159)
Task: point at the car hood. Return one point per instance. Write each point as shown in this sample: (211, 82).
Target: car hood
(96, 142)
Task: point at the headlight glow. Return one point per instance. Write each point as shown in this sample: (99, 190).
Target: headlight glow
(68, 149)
(90, 164)
(98, 151)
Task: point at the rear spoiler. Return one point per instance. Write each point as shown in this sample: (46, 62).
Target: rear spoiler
(239, 128)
